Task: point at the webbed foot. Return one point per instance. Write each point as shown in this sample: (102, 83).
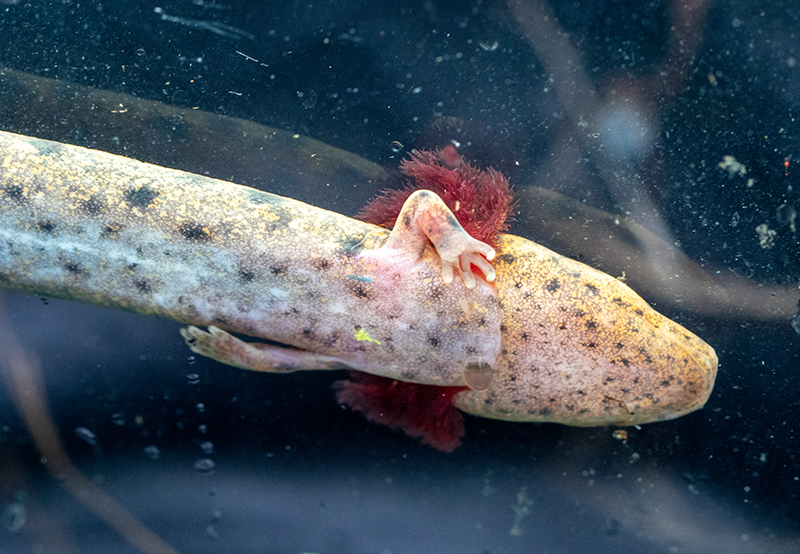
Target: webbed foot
(425, 217)
(223, 347)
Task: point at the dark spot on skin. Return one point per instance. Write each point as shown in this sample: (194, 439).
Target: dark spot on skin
(552, 400)
(140, 197)
(278, 269)
(72, 267)
(406, 221)
(131, 267)
(639, 312)
(625, 362)
(505, 259)
(433, 341)
(320, 263)
(221, 320)
(620, 302)
(142, 285)
(15, 194)
(93, 206)
(46, 226)
(591, 324)
(307, 333)
(580, 314)
(590, 345)
(524, 336)
(664, 383)
(194, 232)
(553, 286)
(452, 221)
(591, 288)
(487, 401)
(359, 289)
(246, 275)
(619, 345)
(562, 327)
(111, 231)
(518, 285)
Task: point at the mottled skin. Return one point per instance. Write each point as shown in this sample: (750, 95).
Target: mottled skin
(549, 340)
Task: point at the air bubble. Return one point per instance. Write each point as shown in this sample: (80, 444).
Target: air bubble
(205, 465)
(477, 373)
(152, 452)
(86, 435)
(193, 378)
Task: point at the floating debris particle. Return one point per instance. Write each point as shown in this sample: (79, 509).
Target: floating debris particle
(620, 434)
(521, 510)
(766, 236)
(732, 166)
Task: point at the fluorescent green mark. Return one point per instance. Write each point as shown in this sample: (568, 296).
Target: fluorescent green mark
(362, 335)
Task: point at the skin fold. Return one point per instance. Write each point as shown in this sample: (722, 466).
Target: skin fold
(534, 336)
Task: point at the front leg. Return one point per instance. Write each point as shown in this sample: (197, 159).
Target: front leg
(425, 217)
(222, 346)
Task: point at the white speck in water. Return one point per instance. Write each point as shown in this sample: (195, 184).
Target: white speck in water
(207, 447)
(193, 378)
(205, 465)
(118, 419)
(86, 435)
(152, 452)
(203, 428)
(200, 407)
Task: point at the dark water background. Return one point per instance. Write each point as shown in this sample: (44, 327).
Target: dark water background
(295, 473)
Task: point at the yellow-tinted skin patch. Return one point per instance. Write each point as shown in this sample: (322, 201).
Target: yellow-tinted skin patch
(566, 343)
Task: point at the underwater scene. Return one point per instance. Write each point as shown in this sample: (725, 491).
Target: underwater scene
(530, 283)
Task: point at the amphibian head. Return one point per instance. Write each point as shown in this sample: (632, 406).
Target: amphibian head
(581, 348)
